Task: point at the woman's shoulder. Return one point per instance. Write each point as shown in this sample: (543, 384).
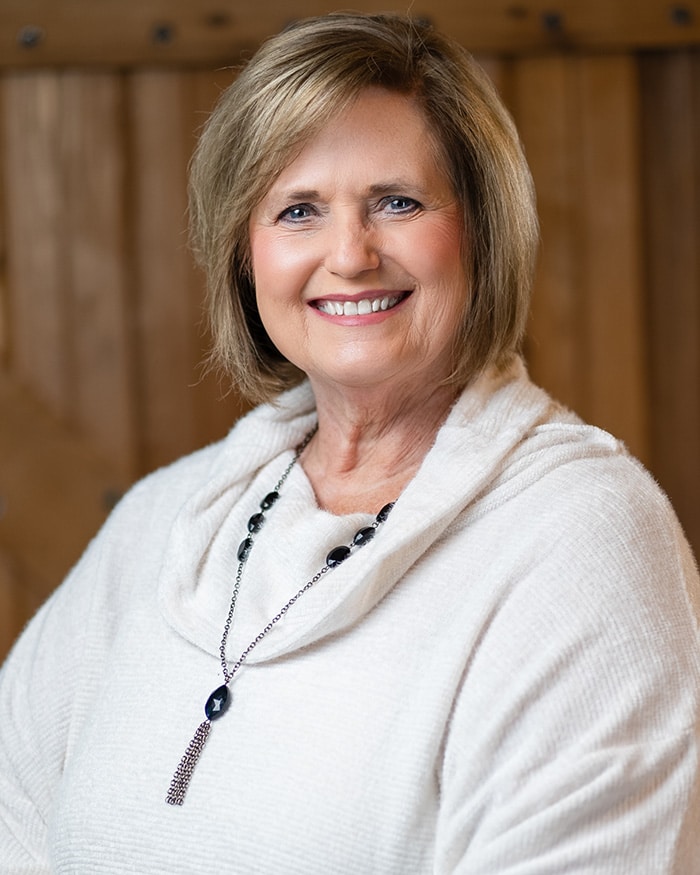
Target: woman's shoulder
(576, 488)
(176, 478)
(159, 495)
(593, 527)
(227, 464)
(587, 477)
(590, 470)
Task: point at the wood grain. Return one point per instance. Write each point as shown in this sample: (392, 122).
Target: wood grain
(671, 102)
(546, 113)
(182, 32)
(4, 290)
(10, 618)
(611, 283)
(176, 412)
(34, 209)
(579, 121)
(100, 355)
(215, 405)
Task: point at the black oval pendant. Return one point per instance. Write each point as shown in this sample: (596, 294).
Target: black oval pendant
(364, 535)
(217, 703)
(384, 512)
(244, 548)
(269, 500)
(255, 522)
(336, 556)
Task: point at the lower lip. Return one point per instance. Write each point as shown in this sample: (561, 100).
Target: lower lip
(362, 319)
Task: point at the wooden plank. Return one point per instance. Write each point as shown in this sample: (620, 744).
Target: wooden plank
(126, 32)
(546, 112)
(500, 71)
(671, 98)
(579, 122)
(164, 316)
(4, 290)
(98, 305)
(34, 217)
(611, 281)
(179, 408)
(55, 493)
(216, 405)
(10, 614)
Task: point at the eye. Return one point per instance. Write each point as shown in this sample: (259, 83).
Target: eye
(400, 204)
(296, 213)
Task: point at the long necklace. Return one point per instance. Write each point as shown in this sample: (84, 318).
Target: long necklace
(218, 702)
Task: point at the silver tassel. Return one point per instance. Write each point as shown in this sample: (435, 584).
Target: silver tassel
(183, 773)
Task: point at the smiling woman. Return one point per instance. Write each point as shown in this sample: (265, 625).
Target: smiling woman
(362, 282)
(458, 130)
(411, 615)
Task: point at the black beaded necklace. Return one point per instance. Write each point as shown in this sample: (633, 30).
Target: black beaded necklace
(218, 702)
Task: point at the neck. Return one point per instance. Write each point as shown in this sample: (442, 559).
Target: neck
(365, 453)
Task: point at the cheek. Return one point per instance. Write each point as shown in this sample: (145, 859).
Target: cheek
(278, 278)
(441, 257)
(444, 246)
(438, 261)
(262, 259)
(278, 262)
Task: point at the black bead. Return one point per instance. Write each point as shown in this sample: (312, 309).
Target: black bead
(364, 535)
(336, 556)
(384, 512)
(269, 500)
(217, 703)
(244, 548)
(255, 522)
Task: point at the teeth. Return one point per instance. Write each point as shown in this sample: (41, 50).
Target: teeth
(358, 308)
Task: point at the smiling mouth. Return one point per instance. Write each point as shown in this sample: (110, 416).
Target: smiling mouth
(363, 307)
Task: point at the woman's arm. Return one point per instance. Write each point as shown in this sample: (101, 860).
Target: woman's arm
(37, 685)
(574, 743)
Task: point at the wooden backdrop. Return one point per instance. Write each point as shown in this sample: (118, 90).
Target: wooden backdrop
(101, 337)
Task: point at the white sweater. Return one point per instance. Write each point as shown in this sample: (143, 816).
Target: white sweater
(505, 681)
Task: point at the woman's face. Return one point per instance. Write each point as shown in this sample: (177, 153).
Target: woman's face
(357, 252)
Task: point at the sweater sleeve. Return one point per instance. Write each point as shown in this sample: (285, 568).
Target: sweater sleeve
(573, 744)
(50, 678)
(45, 685)
(38, 684)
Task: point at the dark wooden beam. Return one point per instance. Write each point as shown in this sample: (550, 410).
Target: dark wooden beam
(215, 33)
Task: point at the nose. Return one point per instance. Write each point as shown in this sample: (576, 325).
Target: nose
(352, 248)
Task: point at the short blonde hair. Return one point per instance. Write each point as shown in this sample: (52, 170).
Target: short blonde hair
(293, 86)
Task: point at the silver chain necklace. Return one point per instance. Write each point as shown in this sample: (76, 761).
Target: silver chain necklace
(218, 702)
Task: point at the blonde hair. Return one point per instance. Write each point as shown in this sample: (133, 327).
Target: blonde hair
(292, 87)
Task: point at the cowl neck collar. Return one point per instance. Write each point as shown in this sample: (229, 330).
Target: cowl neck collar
(491, 417)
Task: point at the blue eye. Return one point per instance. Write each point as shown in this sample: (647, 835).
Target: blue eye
(297, 213)
(400, 204)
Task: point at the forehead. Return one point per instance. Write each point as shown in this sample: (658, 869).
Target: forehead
(382, 134)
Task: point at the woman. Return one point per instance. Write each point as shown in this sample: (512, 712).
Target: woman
(410, 616)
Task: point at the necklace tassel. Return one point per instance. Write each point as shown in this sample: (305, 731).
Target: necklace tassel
(183, 773)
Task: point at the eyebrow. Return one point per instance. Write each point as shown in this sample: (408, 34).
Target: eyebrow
(378, 189)
(309, 194)
(396, 185)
